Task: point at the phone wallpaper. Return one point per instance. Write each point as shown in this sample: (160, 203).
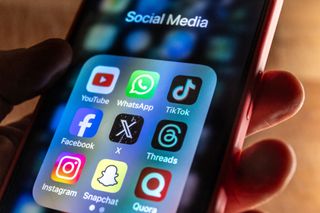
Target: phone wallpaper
(127, 137)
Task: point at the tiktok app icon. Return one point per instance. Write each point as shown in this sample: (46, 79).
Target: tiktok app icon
(86, 122)
(184, 90)
(169, 135)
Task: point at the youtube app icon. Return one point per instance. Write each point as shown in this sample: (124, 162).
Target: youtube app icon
(103, 79)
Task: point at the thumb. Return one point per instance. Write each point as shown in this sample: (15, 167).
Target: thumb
(24, 73)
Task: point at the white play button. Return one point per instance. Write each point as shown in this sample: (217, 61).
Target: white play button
(103, 79)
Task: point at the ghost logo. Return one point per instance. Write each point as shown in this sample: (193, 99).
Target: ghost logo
(109, 176)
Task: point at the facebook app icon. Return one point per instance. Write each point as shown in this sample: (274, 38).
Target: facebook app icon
(86, 122)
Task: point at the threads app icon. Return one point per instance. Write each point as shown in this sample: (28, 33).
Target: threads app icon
(169, 135)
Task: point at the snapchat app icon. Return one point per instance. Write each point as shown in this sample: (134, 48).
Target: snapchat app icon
(109, 175)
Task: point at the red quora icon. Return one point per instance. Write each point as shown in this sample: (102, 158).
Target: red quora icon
(153, 184)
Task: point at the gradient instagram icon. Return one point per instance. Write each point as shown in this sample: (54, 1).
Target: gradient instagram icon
(68, 167)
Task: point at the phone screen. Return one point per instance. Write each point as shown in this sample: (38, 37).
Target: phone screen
(141, 120)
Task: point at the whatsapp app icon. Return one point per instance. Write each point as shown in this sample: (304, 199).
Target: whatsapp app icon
(142, 84)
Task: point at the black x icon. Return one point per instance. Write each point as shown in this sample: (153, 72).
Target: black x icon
(126, 129)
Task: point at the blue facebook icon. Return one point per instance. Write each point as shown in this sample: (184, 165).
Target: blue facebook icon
(86, 122)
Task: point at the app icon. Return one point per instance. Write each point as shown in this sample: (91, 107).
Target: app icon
(86, 122)
(153, 184)
(195, 8)
(26, 204)
(184, 89)
(221, 49)
(100, 37)
(178, 45)
(169, 135)
(68, 167)
(152, 6)
(113, 6)
(142, 36)
(126, 129)
(109, 175)
(142, 84)
(57, 115)
(103, 79)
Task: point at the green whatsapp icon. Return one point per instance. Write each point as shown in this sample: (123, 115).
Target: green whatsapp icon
(142, 84)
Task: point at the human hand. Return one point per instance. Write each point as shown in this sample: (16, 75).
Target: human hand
(266, 167)
(263, 169)
(26, 73)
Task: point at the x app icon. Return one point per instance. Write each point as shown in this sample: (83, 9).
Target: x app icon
(126, 129)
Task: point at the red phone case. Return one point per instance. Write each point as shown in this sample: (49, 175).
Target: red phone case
(260, 57)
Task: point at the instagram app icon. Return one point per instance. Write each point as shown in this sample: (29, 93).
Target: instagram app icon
(68, 167)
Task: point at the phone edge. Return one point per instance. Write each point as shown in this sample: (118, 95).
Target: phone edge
(233, 152)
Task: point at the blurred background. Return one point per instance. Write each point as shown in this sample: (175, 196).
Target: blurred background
(296, 48)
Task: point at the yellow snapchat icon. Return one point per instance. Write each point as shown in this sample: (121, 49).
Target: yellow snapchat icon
(109, 175)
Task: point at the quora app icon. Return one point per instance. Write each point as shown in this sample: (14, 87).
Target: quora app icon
(103, 79)
(153, 184)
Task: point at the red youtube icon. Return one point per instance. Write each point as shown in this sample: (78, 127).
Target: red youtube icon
(103, 79)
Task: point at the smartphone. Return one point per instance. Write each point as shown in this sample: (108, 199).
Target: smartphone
(156, 100)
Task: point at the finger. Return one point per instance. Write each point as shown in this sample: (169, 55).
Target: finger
(7, 151)
(253, 211)
(262, 171)
(10, 136)
(280, 96)
(24, 73)
(15, 131)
